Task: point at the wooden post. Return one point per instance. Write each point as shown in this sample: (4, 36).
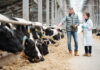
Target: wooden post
(26, 9)
(40, 11)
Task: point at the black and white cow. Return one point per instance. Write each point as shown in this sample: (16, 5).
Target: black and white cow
(40, 41)
(43, 46)
(8, 40)
(31, 50)
(53, 33)
(11, 40)
(28, 38)
(98, 33)
(61, 33)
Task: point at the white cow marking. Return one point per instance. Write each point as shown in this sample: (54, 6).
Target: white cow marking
(39, 54)
(31, 37)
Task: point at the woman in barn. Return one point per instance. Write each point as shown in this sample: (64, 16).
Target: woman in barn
(87, 34)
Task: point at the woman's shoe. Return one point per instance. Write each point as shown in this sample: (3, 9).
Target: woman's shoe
(89, 55)
(85, 54)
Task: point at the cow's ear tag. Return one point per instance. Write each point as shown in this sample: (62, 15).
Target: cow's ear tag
(41, 37)
(29, 31)
(36, 29)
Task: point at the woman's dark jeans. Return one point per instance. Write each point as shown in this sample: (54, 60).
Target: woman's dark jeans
(88, 49)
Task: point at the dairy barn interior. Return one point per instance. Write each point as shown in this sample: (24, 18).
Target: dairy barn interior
(31, 39)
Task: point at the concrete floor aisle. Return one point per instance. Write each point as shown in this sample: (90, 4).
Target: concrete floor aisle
(86, 63)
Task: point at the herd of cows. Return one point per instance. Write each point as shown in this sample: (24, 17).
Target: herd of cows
(98, 33)
(30, 40)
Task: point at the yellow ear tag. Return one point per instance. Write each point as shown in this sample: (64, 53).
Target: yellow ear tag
(36, 29)
(29, 31)
(41, 37)
(42, 32)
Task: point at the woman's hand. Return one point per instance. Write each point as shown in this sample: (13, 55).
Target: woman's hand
(84, 27)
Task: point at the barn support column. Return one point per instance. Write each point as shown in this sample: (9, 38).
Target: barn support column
(99, 14)
(52, 12)
(55, 12)
(47, 12)
(40, 11)
(59, 15)
(26, 9)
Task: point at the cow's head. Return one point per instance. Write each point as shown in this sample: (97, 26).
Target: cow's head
(43, 46)
(61, 33)
(50, 31)
(98, 33)
(8, 40)
(36, 32)
(32, 51)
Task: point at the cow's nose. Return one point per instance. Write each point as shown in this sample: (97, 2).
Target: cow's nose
(41, 58)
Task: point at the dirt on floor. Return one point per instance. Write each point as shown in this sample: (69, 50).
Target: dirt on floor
(55, 60)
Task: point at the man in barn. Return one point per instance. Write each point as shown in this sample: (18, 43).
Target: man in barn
(72, 22)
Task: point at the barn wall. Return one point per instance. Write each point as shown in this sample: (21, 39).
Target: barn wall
(50, 11)
(93, 7)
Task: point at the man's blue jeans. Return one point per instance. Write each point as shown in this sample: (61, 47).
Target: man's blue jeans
(74, 34)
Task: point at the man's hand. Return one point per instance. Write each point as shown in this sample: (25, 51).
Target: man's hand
(60, 24)
(57, 27)
(74, 26)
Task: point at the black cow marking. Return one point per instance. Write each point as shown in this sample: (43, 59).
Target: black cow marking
(8, 40)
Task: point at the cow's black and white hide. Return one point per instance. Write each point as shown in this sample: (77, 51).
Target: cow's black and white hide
(43, 46)
(61, 33)
(49, 41)
(21, 32)
(51, 32)
(32, 51)
(8, 40)
(98, 33)
(36, 31)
